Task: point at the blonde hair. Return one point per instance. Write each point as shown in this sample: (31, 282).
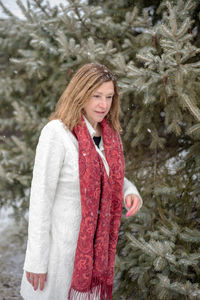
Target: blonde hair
(85, 81)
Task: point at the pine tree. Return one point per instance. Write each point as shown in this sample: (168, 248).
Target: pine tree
(160, 251)
(154, 53)
(55, 42)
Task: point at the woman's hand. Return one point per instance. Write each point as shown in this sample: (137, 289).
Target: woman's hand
(36, 280)
(133, 203)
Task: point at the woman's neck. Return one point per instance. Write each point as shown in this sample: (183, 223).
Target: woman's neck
(98, 130)
(96, 126)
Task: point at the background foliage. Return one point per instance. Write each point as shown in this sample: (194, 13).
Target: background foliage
(154, 52)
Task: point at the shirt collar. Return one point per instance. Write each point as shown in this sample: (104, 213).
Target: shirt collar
(92, 132)
(101, 144)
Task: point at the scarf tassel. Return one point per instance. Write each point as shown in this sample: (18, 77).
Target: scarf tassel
(101, 291)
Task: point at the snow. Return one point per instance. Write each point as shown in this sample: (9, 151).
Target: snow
(12, 251)
(174, 163)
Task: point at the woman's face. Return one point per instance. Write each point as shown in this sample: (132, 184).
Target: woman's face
(99, 104)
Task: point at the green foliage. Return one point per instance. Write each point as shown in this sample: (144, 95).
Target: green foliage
(155, 55)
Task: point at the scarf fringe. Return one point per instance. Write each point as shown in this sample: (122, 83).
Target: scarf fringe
(101, 291)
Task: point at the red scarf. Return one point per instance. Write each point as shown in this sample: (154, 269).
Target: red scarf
(101, 207)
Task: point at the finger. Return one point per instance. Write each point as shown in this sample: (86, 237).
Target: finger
(135, 201)
(128, 201)
(42, 281)
(35, 281)
(28, 276)
(131, 212)
(133, 209)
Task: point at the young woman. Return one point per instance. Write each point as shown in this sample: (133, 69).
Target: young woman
(77, 191)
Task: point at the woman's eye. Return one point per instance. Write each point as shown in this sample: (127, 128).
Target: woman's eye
(98, 97)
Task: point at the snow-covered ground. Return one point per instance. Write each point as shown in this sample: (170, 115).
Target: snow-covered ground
(12, 251)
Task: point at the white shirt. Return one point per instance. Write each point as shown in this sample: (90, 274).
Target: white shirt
(99, 149)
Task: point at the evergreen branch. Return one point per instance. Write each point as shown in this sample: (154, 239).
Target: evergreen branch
(20, 61)
(189, 5)
(24, 11)
(62, 40)
(28, 4)
(193, 129)
(172, 19)
(167, 45)
(192, 52)
(186, 38)
(42, 8)
(70, 23)
(194, 109)
(135, 71)
(194, 65)
(135, 242)
(153, 248)
(183, 30)
(187, 288)
(186, 262)
(21, 145)
(159, 263)
(131, 16)
(165, 31)
(2, 172)
(190, 235)
(131, 21)
(6, 10)
(144, 58)
(79, 17)
(82, 21)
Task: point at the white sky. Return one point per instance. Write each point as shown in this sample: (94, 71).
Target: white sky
(14, 8)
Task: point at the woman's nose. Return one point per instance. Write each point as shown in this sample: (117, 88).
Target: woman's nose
(103, 102)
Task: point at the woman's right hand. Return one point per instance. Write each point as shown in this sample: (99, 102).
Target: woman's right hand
(36, 280)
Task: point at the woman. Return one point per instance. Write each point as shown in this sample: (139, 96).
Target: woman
(76, 193)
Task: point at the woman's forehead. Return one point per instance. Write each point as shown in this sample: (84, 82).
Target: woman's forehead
(107, 87)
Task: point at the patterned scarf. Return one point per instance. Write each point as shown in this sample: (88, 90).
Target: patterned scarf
(101, 207)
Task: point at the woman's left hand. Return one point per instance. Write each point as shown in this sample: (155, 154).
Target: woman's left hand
(132, 203)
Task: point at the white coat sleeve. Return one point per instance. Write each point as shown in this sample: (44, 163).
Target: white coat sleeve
(48, 163)
(130, 188)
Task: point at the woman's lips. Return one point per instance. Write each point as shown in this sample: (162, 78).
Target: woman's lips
(100, 112)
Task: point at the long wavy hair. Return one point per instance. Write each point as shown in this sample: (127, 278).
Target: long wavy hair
(83, 84)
